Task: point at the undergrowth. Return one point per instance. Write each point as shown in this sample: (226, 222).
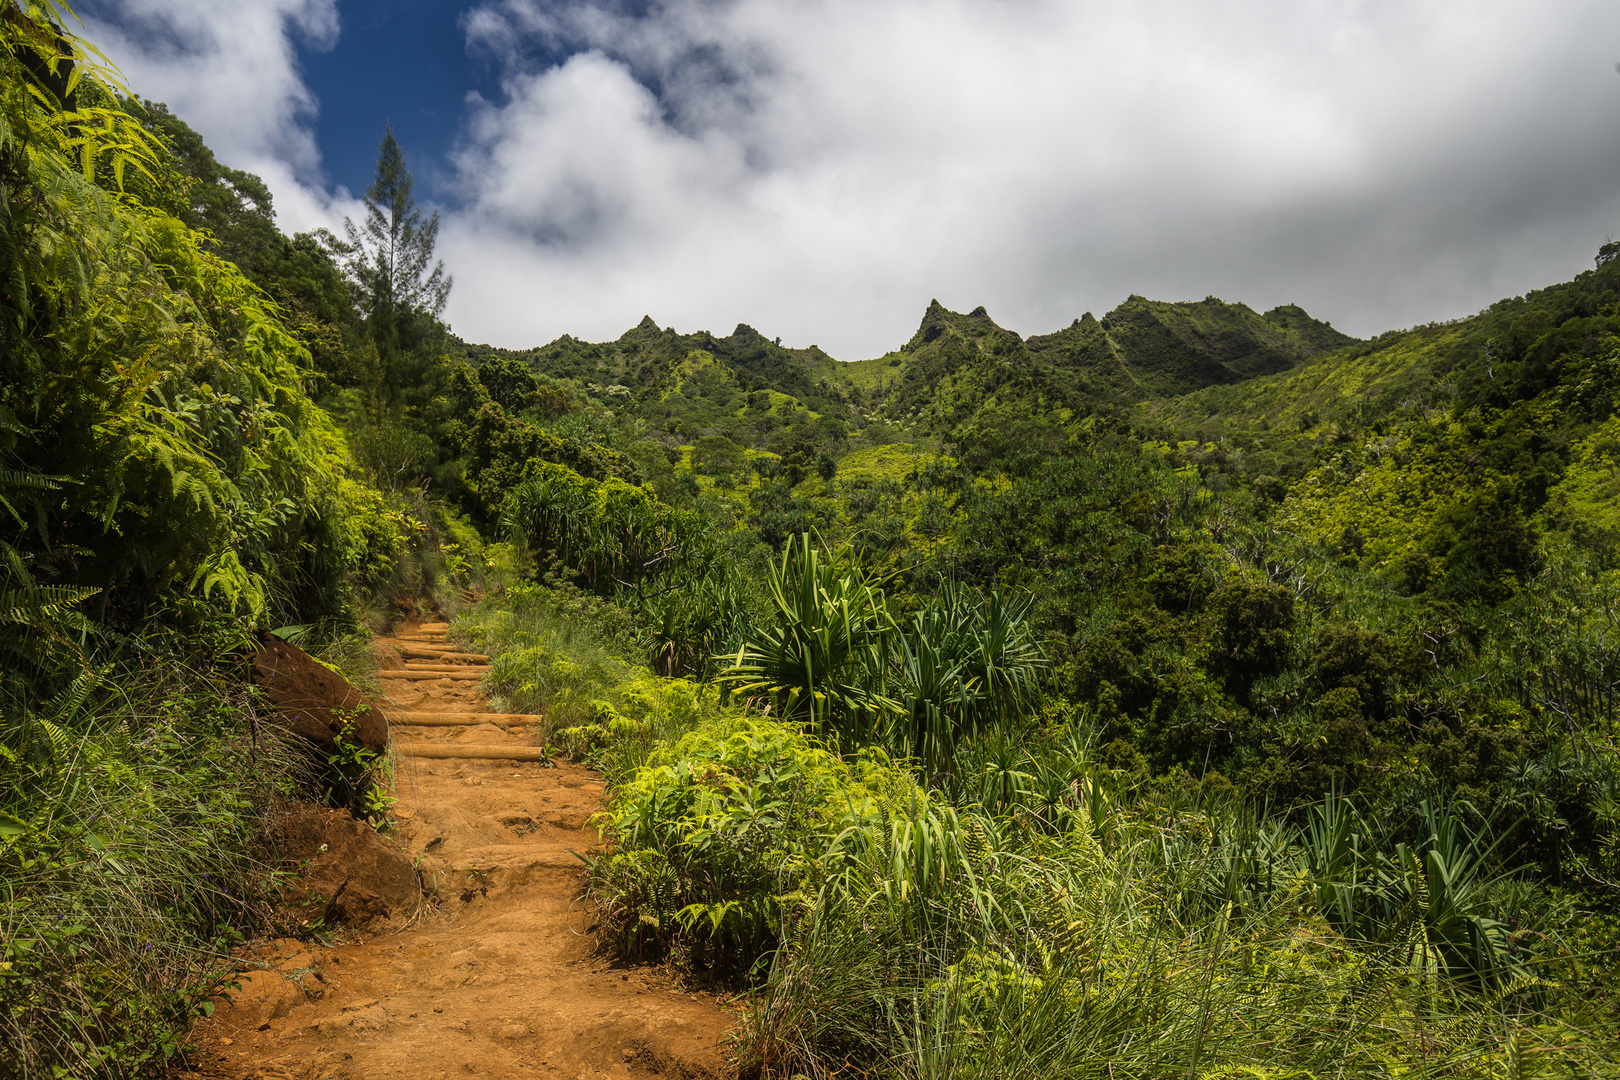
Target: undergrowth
(1048, 915)
(130, 861)
(566, 656)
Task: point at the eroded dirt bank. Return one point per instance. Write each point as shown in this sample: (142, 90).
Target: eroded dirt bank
(502, 976)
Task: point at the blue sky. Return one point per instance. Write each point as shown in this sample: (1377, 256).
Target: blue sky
(398, 61)
(821, 169)
(404, 62)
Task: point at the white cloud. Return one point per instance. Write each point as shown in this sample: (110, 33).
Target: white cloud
(822, 168)
(230, 70)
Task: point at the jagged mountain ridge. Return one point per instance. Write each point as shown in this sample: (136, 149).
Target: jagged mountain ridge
(744, 385)
(952, 367)
(1166, 349)
(646, 355)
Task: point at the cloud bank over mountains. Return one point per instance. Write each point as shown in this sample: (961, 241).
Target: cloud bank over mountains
(822, 169)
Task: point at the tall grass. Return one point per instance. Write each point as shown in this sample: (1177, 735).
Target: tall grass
(1092, 968)
(572, 659)
(129, 833)
(892, 932)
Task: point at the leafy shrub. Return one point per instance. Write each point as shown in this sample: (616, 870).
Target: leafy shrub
(551, 656)
(608, 531)
(725, 835)
(1253, 632)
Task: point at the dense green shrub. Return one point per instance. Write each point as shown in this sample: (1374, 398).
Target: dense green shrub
(726, 834)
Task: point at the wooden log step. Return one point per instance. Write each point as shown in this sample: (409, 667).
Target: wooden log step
(410, 652)
(418, 665)
(453, 721)
(475, 751)
(403, 717)
(408, 674)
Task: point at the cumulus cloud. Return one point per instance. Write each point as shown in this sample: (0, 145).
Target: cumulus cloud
(821, 169)
(230, 70)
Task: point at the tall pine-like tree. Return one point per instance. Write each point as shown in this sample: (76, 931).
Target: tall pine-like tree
(389, 262)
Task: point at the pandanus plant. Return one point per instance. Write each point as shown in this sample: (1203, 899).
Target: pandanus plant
(820, 652)
(690, 624)
(1425, 902)
(968, 666)
(827, 647)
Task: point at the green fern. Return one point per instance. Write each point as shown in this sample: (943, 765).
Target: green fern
(39, 606)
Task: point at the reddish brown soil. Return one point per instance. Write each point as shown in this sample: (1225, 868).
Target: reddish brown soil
(498, 976)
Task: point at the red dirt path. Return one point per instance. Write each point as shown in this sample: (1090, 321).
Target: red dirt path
(493, 980)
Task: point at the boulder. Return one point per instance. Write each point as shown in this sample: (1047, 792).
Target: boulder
(349, 873)
(312, 701)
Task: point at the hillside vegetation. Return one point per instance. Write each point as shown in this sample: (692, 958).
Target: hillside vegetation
(168, 483)
(1188, 692)
(1321, 650)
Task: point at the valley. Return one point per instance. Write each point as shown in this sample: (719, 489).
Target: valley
(1188, 691)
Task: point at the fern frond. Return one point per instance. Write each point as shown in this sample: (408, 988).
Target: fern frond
(66, 706)
(32, 606)
(58, 739)
(38, 481)
(34, 480)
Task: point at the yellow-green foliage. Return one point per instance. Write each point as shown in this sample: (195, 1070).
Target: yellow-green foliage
(369, 539)
(610, 728)
(1389, 490)
(893, 463)
(696, 360)
(1316, 388)
(1586, 503)
(1005, 948)
(156, 383)
(874, 373)
(730, 759)
(579, 741)
(552, 662)
(556, 680)
(606, 530)
(1039, 955)
(1013, 941)
(733, 828)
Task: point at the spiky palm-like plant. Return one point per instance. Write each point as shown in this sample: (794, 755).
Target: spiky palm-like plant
(968, 665)
(821, 652)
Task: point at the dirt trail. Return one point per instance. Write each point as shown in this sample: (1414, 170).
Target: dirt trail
(493, 981)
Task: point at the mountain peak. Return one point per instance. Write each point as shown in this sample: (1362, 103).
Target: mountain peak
(935, 321)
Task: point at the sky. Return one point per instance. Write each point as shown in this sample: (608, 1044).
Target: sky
(822, 169)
